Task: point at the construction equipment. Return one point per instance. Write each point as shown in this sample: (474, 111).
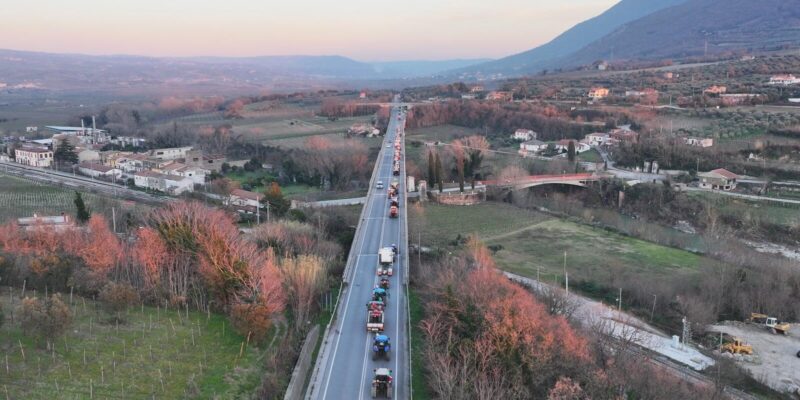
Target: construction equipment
(770, 323)
(381, 347)
(382, 383)
(374, 320)
(736, 346)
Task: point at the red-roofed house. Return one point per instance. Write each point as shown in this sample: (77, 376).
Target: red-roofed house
(244, 201)
(718, 179)
(97, 170)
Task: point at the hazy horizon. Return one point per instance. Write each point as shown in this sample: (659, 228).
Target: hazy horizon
(237, 28)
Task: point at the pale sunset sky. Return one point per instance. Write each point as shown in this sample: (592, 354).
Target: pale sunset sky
(366, 30)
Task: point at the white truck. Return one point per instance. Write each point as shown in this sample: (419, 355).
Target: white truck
(385, 261)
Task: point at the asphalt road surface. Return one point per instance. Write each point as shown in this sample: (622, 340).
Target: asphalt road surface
(344, 368)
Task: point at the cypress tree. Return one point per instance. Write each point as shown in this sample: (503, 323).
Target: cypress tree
(82, 214)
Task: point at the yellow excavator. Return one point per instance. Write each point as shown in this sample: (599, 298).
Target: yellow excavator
(770, 323)
(736, 346)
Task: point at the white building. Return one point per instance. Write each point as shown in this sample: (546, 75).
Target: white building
(87, 155)
(169, 184)
(784, 80)
(597, 139)
(172, 153)
(524, 135)
(197, 175)
(580, 147)
(128, 141)
(244, 201)
(532, 146)
(34, 156)
(96, 170)
(698, 142)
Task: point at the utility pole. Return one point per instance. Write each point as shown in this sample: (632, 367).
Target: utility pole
(258, 210)
(619, 299)
(114, 219)
(653, 311)
(566, 276)
(267, 212)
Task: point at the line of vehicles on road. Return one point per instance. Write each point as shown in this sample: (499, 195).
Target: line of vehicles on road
(382, 381)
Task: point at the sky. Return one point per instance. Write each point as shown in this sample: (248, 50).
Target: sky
(366, 30)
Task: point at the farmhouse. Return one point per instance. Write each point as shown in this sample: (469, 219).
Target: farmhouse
(210, 162)
(524, 135)
(244, 201)
(499, 96)
(698, 142)
(597, 93)
(716, 90)
(718, 179)
(34, 156)
(532, 146)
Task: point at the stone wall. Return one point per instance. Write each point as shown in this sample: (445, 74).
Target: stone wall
(458, 199)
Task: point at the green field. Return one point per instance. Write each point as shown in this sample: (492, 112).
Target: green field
(441, 225)
(527, 242)
(22, 198)
(767, 211)
(156, 353)
(590, 156)
(441, 133)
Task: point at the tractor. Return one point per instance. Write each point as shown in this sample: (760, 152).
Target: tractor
(384, 284)
(736, 346)
(380, 347)
(380, 294)
(382, 383)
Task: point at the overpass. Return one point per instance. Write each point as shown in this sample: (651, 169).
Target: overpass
(539, 180)
(344, 366)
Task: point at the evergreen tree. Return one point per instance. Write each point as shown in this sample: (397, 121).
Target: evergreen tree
(439, 173)
(82, 214)
(65, 152)
(571, 151)
(461, 180)
(431, 169)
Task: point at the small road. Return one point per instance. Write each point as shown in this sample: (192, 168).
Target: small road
(82, 183)
(344, 366)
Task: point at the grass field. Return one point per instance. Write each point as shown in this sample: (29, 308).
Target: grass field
(22, 198)
(590, 156)
(528, 241)
(156, 353)
(441, 133)
(768, 211)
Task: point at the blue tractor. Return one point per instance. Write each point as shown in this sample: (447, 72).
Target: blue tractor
(380, 294)
(380, 347)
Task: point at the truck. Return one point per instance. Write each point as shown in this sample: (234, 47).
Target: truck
(382, 383)
(770, 323)
(374, 320)
(380, 347)
(376, 305)
(385, 261)
(393, 212)
(396, 169)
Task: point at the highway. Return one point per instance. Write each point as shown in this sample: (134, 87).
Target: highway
(344, 366)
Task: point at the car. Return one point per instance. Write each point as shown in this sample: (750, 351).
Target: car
(389, 146)
(379, 185)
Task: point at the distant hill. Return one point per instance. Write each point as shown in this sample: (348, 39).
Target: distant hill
(682, 31)
(574, 39)
(56, 72)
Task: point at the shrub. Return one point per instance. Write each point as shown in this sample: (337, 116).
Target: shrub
(116, 297)
(251, 320)
(45, 318)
